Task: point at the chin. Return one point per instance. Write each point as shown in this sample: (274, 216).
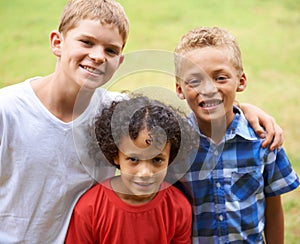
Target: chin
(94, 84)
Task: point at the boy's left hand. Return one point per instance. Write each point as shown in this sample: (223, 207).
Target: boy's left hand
(264, 126)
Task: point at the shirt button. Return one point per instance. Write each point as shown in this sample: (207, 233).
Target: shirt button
(216, 153)
(221, 218)
(218, 185)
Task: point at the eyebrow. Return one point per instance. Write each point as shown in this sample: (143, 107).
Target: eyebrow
(220, 71)
(195, 75)
(135, 155)
(109, 44)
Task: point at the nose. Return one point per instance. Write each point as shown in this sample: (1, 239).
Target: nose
(207, 88)
(145, 170)
(97, 54)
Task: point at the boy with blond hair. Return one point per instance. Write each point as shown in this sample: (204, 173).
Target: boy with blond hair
(236, 183)
(42, 172)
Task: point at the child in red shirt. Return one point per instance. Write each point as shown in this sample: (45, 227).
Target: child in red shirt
(146, 140)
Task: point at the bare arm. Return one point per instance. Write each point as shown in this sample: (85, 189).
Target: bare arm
(264, 125)
(274, 228)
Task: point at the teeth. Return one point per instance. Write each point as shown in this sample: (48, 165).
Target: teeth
(209, 104)
(92, 70)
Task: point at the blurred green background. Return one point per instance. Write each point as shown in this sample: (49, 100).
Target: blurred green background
(268, 33)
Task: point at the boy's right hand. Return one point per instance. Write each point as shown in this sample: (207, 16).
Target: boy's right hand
(264, 125)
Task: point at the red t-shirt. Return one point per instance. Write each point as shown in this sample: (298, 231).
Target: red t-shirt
(100, 216)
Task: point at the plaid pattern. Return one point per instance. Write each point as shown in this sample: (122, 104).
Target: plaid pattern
(230, 182)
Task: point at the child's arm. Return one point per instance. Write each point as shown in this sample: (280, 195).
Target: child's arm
(274, 228)
(259, 120)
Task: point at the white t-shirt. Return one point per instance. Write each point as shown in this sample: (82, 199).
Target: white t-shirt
(45, 165)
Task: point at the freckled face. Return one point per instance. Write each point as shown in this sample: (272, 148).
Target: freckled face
(89, 54)
(142, 175)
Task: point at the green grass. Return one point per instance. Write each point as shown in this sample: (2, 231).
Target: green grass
(268, 33)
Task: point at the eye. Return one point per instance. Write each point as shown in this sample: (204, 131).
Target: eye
(133, 159)
(221, 78)
(157, 160)
(86, 42)
(112, 52)
(193, 83)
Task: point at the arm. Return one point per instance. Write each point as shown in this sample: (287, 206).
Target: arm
(274, 228)
(259, 120)
(78, 231)
(183, 223)
(80, 226)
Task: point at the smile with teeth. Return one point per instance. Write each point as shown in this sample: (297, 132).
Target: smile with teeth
(92, 70)
(210, 103)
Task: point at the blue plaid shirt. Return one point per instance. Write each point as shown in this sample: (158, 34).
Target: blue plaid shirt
(230, 182)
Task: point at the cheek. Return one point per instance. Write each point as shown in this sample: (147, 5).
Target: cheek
(230, 92)
(161, 173)
(192, 92)
(70, 56)
(127, 175)
(111, 67)
(114, 63)
(192, 100)
(126, 169)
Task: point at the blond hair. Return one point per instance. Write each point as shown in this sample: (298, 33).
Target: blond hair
(209, 37)
(106, 11)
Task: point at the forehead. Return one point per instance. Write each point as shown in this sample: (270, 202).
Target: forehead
(206, 55)
(200, 60)
(97, 30)
(143, 146)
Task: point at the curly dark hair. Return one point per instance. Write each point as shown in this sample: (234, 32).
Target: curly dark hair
(129, 117)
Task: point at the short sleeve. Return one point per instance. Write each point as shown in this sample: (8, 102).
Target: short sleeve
(279, 175)
(183, 223)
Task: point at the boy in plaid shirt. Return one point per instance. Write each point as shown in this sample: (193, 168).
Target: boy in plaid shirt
(236, 183)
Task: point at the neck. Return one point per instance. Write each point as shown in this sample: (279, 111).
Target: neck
(126, 196)
(215, 129)
(65, 103)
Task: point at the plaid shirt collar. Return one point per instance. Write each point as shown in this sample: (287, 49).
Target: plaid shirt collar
(239, 126)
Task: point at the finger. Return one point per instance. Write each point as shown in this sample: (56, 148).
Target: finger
(268, 139)
(278, 138)
(258, 129)
(270, 133)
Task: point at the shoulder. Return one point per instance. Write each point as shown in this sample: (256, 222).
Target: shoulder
(91, 196)
(18, 89)
(12, 90)
(174, 197)
(11, 97)
(105, 97)
(241, 127)
(176, 207)
(93, 202)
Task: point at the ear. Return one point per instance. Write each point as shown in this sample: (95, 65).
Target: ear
(121, 59)
(179, 91)
(116, 161)
(242, 83)
(56, 42)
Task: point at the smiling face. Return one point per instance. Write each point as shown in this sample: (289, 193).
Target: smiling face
(89, 54)
(141, 172)
(209, 81)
